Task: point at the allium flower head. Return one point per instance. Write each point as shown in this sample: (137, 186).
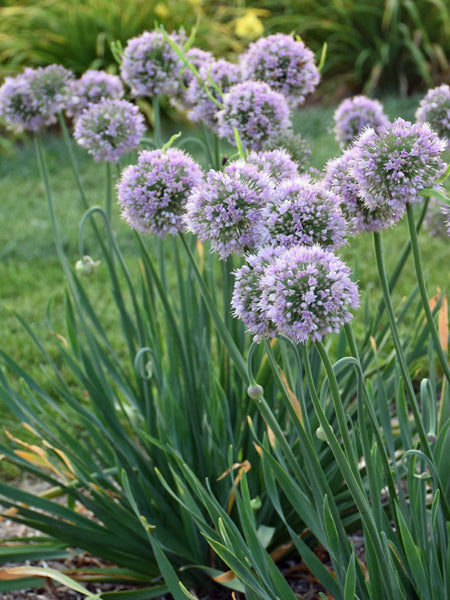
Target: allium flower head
(247, 292)
(34, 98)
(294, 144)
(50, 86)
(339, 179)
(355, 114)
(109, 129)
(277, 163)
(392, 166)
(223, 74)
(18, 106)
(91, 88)
(307, 293)
(154, 192)
(226, 209)
(305, 213)
(150, 66)
(287, 65)
(436, 221)
(435, 110)
(256, 111)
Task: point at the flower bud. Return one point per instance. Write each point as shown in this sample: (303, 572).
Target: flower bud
(86, 266)
(255, 392)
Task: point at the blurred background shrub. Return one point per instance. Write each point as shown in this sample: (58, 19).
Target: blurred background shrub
(374, 46)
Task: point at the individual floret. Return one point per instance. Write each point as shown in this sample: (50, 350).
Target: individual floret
(435, 110)
(305, 213)
(153, 193)
(353, 115)
(391, 167)
(307, 293)
(109, 129)
(284, 63)
(150, 66)
(226, 209)
(255, 111)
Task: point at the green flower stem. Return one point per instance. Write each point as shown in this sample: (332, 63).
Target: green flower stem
(224, 333)
(51, 206)
(108, 195)
(423, 291)
(338, 408)
(157, 121)
(398, 270)
(68, 142)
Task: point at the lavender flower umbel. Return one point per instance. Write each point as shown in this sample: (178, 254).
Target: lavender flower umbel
(339, 179)
(33, 99)
(287, 65)
(92, 88)
(435, 110)
(215, 79)
(198, 59)
(255, 111)
(355, 114)
(247, 292)
(150, 66)
(391, 167)
(153, 193)
(226, 209)
(18, 106)
(305, 213)
(109, 129)
(50, 87)
(307, 293)
(277, 163)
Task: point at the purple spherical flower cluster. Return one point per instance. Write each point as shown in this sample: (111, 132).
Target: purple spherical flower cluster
(150, 66)
(154, 192)
(247, 292)
(301, 292)
(287, 65)
(227, 208)
(305, 213)
(109, 129)
(339, 179)
(392, 166)
(18, 106)
(277, 163)
(435, 110)
(32, 99)
(215, 79)
(294, 144)
(91, 88)
(355, 114)
(255, 111)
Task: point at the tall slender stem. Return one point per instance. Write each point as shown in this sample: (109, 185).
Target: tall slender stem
(73, 160)
(423, 291)
(157, 121)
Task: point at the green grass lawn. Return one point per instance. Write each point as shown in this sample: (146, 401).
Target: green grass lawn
(30, 273)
